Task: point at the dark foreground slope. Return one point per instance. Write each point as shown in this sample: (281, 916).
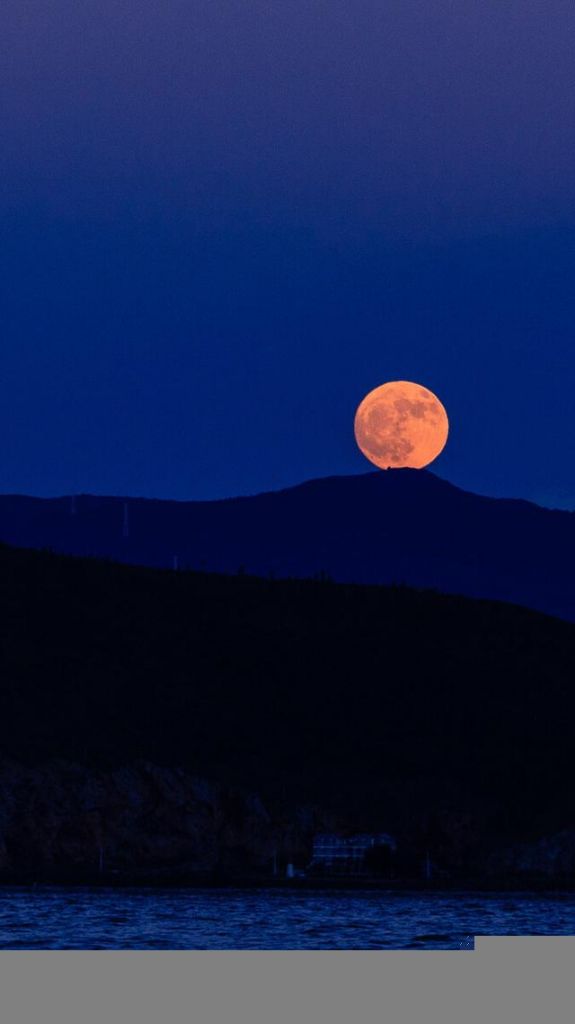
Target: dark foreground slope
(447, 721)
(401, 526)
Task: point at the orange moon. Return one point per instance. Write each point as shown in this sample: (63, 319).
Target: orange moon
(401, 425)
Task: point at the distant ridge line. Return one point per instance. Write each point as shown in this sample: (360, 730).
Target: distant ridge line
(404, 526)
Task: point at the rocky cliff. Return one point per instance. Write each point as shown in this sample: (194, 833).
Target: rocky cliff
(60, 820)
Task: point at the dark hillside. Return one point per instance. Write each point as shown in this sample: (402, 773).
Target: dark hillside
(382, 704)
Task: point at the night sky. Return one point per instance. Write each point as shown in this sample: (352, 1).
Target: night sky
(224, 221)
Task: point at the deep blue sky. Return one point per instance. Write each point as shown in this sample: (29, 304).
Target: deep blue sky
(223, 221)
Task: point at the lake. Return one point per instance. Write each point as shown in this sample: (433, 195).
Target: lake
(79, 918)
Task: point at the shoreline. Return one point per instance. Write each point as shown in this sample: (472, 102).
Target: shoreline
(565, 886)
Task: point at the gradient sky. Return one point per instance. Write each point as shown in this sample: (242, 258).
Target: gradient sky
(223, 222)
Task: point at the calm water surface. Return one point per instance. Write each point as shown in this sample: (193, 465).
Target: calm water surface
(53, 918)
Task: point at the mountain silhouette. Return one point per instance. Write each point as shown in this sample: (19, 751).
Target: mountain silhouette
(400, 526)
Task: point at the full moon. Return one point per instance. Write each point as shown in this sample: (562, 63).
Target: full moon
(401, 425)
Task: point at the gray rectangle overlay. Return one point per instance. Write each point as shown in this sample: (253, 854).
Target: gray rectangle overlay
(527, 979)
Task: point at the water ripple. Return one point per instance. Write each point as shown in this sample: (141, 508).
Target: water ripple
(52, 918)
